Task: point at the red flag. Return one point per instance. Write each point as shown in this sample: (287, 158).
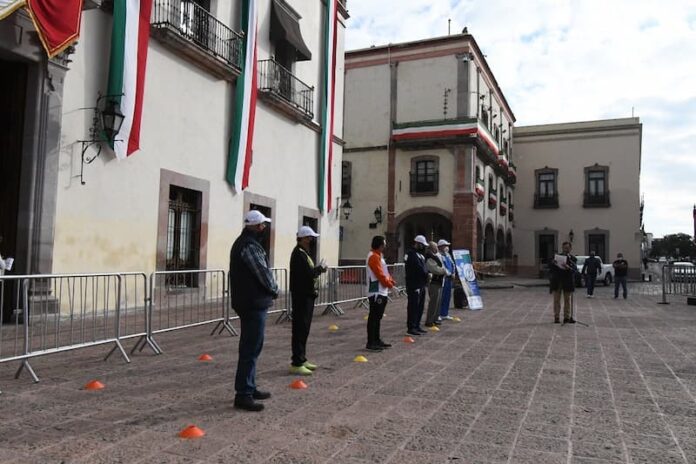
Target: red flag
(57, 22)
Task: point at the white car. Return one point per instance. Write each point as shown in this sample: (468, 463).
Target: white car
(605, 275)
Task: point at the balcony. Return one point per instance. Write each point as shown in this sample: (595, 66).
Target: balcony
(424, 184)
(190, 30)
(280, 87)
(596, 200)
(545, 201)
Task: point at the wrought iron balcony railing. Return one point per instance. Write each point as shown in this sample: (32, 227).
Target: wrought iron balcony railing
(600, 200)
(546, 201)
(424, 183)
(276, 80)
(197, 26)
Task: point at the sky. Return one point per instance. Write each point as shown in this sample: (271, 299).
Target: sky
(578, 60)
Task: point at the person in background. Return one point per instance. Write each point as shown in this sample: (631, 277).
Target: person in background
(563, 283)
(620, 273)
(590, 270)
(304, 289)
(252, 290)
(416, 281)
(378, 284)
(433, 262)
(445, 298)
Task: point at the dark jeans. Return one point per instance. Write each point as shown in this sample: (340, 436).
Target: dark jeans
(590, 280)
(374, 320)
(620, 281)
(302, 312)
(251, 330)
(446, 297)
(415, 307)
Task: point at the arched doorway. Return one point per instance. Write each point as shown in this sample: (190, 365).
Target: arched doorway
(479, 240)
(500, 244)
(432, 225)
(508, 245)
(489, 243)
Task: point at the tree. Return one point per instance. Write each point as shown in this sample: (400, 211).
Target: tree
(675, 246)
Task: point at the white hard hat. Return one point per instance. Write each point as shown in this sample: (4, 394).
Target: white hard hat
(421, 239)
(255, 217)
(443, 242)
(306, 231)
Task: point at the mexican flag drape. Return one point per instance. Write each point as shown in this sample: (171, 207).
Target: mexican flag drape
(328, 100)
(57, 22)
(129, 42)
(240, 152)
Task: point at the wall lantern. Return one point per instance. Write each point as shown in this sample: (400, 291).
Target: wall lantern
(106, 123)
(378, 217)
(571, 236)
(347, 208)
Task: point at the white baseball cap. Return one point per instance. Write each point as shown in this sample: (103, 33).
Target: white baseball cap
(442, 242)
(306, 231)
(255, 217)
(420, 239)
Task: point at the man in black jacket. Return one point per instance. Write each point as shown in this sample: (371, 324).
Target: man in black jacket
(563, 283)
(590, 270)
(304, 287)
(620, 272)
(252, 289)
(416, 280)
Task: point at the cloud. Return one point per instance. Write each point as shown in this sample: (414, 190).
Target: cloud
(574, 60)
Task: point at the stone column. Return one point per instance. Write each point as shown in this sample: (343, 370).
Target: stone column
(464, 202)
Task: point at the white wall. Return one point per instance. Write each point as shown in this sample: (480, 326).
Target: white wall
(421, 88)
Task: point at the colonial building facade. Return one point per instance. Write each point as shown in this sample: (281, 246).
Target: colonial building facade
(68, 205)
(429, 149)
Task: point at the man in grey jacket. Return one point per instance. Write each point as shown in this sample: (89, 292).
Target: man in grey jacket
(435, 265)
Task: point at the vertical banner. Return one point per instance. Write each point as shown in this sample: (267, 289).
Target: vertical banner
(325, 176)
(467, 276)
(57, 22)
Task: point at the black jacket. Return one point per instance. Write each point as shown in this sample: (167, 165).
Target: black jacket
(592, 266)
(416, 271)
(620, 267)
(563, 279)
(302, 275)
(247, 291)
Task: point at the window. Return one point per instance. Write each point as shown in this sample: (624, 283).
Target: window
(183, 228)
(424, 176)
(596, 191)
(484, 115)
(346, 173)
(478, 174)
(546, 195)
(195, 23)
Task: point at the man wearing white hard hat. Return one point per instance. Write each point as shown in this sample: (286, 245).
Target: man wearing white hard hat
(304, 289)
(252, 289)
(446, 296)
(416, 280)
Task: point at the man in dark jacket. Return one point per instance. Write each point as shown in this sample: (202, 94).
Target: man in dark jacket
(252, 289)
(563, 283)
(416, 280)
(620, 272)
(304, 285)
(590, 270)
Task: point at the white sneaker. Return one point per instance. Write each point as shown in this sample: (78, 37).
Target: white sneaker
(448, 318)
(439, 319)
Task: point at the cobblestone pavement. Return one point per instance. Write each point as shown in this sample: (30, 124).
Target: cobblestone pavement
(503, 385)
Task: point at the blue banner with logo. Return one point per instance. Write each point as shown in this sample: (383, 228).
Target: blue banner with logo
(467, 276)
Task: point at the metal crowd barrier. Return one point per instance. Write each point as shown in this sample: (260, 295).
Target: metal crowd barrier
(398, 273)
(62, 312)
(678, 279)
(183, 299)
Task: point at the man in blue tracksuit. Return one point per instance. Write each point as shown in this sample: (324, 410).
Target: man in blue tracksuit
(448, 263)
(416, 281)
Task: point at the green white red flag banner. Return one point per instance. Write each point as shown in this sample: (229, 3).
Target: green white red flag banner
(327, 124)
(129, 42)
(241, 144)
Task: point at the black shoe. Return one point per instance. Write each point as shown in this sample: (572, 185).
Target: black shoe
(429, 325)
(420, 329)
(568, 320)
(261, 395)
(384, 345)
(437, 323)
(247, 403)
(374, 348)
(556, 321)
(414, 333)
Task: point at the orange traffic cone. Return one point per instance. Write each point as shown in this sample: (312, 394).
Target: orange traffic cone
(205, 357)
(409, 340)
(298, 385)
(94, 385)
(191, 432)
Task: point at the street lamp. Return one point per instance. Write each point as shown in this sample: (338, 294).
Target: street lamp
(347, 208)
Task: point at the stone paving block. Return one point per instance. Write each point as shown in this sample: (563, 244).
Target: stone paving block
(605, 450)
(481, 452)
(415, 457)
(645, 456)
(488, 436)
(592, 435)
(364, 451)
(528, 456)
(546, 444)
